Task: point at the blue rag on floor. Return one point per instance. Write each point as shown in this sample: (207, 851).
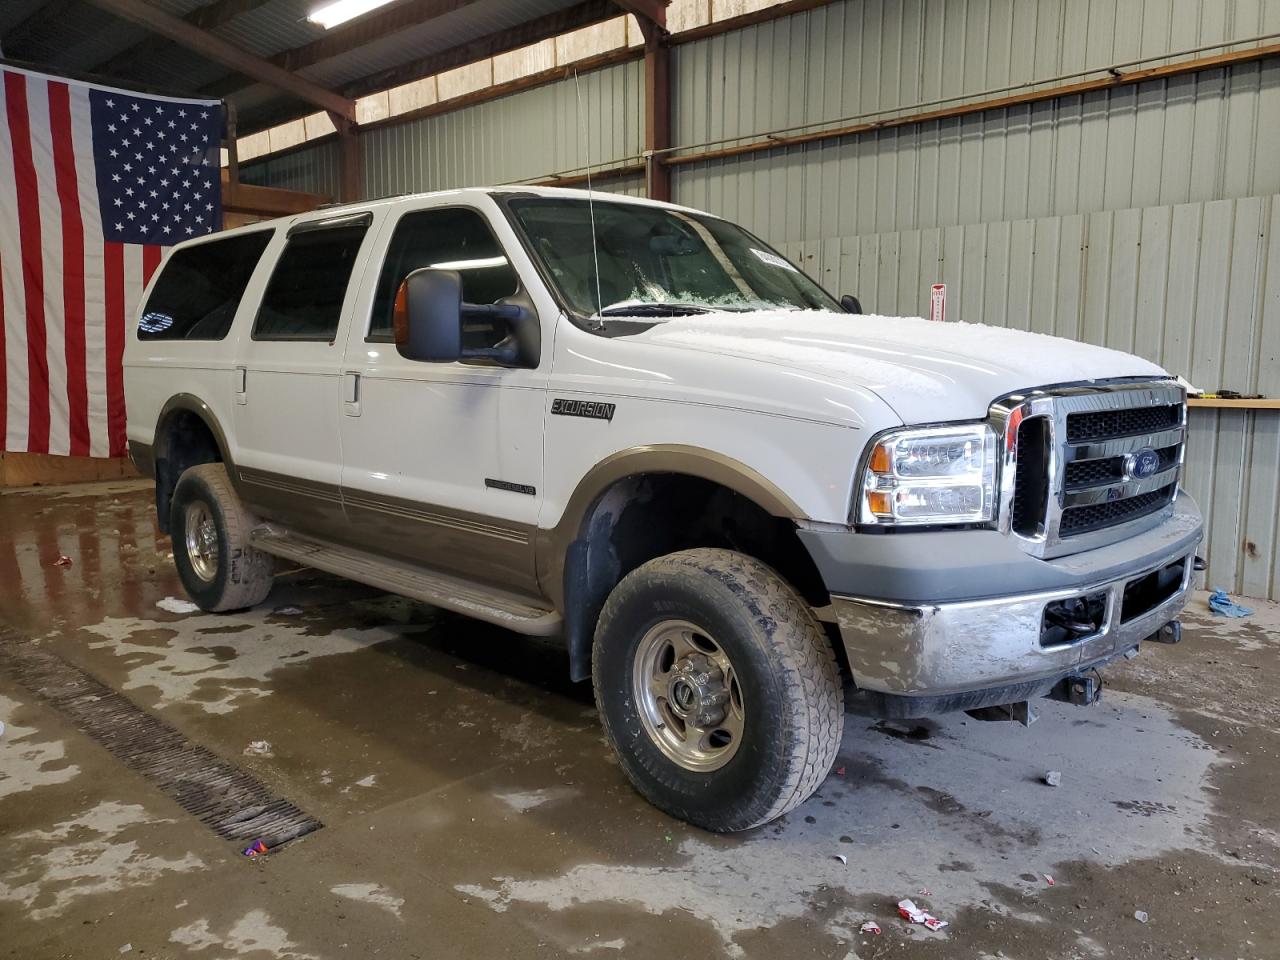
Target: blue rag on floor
(1221, 604)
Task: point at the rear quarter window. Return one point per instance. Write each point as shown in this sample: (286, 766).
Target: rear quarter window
(199, 289)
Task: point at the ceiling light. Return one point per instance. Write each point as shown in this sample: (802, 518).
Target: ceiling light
(340, 11)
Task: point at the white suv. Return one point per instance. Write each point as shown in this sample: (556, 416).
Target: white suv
(636, 426)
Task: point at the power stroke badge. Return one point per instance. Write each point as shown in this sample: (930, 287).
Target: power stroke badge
(591, 409)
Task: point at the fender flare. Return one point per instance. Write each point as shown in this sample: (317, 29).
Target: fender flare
(189, 403)
(571, 577)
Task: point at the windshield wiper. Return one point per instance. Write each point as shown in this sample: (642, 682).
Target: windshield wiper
(645, 308)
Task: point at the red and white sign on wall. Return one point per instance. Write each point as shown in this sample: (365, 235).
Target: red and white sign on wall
(938, 302)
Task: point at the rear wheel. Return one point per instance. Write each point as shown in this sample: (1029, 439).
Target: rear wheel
(718, 689)
(218, 566)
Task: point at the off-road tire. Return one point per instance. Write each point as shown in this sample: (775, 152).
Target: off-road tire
(792, 690)
(244, 574)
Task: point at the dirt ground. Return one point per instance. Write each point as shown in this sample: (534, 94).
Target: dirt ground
(472, 809)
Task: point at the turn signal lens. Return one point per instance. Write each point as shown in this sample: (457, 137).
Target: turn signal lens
(879, 503)
(400, 316)
(879, 459)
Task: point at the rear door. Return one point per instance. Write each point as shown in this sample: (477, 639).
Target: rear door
(442, 462)
(287, 384)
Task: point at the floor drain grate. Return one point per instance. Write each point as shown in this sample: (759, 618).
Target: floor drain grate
(234, 804)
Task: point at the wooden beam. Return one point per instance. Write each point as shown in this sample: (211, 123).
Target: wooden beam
(208, 17)
(651, 11)
(522, 35)
(365, 30)
(545, 27)
(270, 201)
(765, 142)
(484, 95)
(215, 48)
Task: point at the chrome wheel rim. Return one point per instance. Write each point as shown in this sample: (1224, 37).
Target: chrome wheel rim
(202, 540)
(688, 696)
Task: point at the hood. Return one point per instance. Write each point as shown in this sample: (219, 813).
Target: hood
(926, 371)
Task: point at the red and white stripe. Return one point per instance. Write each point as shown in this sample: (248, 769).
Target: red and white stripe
(66, 295)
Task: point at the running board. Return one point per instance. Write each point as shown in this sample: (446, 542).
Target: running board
(491, 604)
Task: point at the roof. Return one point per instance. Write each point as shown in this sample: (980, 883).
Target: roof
(75, 37)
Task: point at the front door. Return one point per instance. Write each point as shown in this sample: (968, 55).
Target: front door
(289, 374)
(442, 462)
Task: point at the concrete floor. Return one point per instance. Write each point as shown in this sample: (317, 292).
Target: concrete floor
(472, 809)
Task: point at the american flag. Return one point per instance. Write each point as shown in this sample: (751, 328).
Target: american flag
(95, 184)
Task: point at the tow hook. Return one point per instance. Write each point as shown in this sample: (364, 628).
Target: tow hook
(1081, 691)
(1171, 632)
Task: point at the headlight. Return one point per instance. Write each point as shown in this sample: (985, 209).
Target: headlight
(932, 475)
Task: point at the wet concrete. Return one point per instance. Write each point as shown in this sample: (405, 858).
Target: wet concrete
(472, 809)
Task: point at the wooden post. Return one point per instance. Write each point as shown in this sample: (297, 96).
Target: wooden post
(233, 160)
(657, 109)
(350, 159)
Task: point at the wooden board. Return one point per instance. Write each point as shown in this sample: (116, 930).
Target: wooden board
(43, 469)
(1215, 402)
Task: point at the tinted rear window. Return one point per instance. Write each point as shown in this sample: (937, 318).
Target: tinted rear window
(303, 300)
(200, 288)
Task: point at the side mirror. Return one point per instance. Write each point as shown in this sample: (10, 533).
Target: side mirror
(850, 303)
(428, 318)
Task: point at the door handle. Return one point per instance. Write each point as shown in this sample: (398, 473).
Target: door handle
(241, 384)
(351, 393)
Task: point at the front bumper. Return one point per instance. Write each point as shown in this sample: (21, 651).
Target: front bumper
(958, 654)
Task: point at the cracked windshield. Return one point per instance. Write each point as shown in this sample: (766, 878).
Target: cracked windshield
(654, 262)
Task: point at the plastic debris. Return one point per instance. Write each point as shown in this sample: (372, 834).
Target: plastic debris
(1, 728)
(127, 948)
(1221, 603)
(1048, 879)
(839, 771)
(288, 611)
(62, 561)
(871, 927)
(258, 748)
(925, 892)
(174, 605)
(1192, 390)
(1053, 778)
(913, 914)
(1141, 916)
(842, 858)
(257, 848)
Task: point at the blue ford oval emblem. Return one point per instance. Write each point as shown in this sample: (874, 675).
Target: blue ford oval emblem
(1142, 464)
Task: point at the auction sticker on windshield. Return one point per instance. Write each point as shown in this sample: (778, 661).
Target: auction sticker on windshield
(772, 259)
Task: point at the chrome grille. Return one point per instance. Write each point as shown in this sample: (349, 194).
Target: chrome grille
(1077, 487)
(1104, 424)
(1077, 520)
(1091, 473)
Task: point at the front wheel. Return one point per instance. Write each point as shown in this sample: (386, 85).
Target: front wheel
(718, 689)
(218, 566)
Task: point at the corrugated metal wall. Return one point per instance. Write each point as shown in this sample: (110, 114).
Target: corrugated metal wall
(1194, 287)
(313, 169)
(527, 135)
(1141, 218)
(1198, 137)
(860, 56)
